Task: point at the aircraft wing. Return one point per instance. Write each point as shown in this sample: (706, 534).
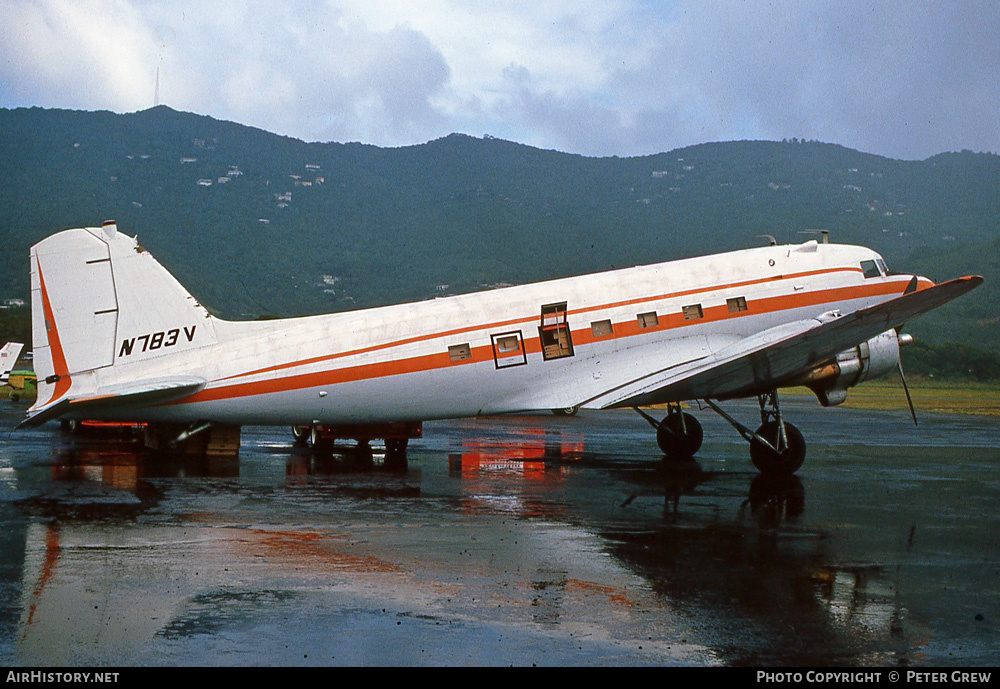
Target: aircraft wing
(118, 397)
(772, 358)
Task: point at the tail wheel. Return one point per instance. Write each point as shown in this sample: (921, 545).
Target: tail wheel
(679, 436)
(789, 454)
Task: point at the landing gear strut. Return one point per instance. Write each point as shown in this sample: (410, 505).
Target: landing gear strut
(776, 447)
(679, 434)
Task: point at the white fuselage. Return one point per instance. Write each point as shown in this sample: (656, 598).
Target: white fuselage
(482, 353)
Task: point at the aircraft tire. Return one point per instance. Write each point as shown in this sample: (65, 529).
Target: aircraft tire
(318, 442)
(679, 441)
(567, 411)
(787, 461)
(301, 435)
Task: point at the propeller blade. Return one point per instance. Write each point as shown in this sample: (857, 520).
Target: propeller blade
(906, 389)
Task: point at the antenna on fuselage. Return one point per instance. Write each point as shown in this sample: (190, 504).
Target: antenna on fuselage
(770, 238)
(825, 233)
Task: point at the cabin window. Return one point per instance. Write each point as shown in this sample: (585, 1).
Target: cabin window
(648, 320)
(601, 328)
(737, 304)
(508, 349)
(554, 332)
(460, 352)
(870, 269)
(692, 312)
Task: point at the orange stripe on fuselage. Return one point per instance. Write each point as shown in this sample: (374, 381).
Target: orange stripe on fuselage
(531, 319)
(59, 366)
(581, 336)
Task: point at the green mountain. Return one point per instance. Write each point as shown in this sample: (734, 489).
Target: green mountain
(259, 224)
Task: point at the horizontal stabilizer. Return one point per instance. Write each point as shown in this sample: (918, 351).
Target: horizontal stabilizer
(136, 394)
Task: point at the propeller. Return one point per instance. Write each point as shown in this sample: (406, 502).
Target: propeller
(909, 400)
(903, 341)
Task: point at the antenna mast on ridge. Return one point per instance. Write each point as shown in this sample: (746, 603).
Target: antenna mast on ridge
(163, 37)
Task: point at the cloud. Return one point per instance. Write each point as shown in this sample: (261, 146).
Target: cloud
(57, 53)
(622, 77)
(883, 78)
(298, 69)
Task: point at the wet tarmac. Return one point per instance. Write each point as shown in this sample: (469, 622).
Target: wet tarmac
(508, 541)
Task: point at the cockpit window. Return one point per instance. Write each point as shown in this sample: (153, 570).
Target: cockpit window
(870, 269)
(883, 266)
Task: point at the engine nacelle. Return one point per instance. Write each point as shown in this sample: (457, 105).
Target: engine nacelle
(868, 360)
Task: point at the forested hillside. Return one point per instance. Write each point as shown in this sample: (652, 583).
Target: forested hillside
(258, 224)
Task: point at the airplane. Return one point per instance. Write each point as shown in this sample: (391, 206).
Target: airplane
(117, 338)
(8, 357)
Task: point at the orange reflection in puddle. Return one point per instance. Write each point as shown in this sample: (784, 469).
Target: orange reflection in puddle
(122, 476)
(517, 473)
(312, 549)
(535, 455)
(613, 595)
(52, 550)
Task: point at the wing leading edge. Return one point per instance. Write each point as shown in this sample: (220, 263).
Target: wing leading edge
(775, 357)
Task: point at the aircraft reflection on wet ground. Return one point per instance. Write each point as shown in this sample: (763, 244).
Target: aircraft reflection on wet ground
(520, 540)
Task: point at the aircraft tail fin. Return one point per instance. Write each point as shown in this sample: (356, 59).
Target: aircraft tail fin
(8, 357)
(104, 313)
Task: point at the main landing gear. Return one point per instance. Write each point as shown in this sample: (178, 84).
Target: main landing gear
(679, 434)
(776, 447)
(322, 439)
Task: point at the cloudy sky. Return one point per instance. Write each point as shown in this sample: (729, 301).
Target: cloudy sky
(596, 77)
